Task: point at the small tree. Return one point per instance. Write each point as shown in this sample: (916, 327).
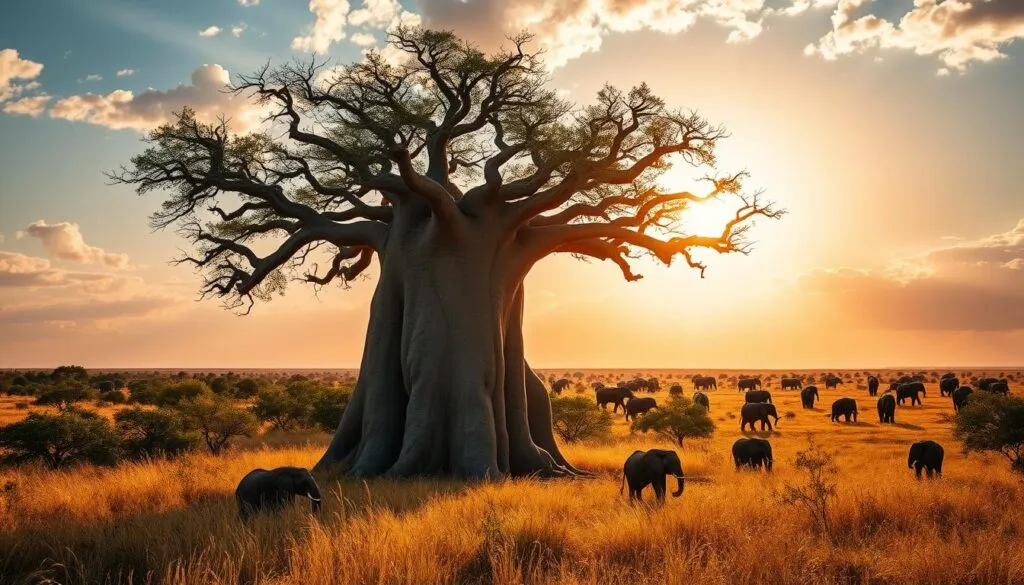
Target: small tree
(154, 433)
(247, 388)
(820, 489)
(70, 372)
(64, 397)
(990, 422)
(285, 408)
(57, 440)
(577, 418)
(114, 397)
(328, 406)
(217, 420)
(681, 418)
(177, 393)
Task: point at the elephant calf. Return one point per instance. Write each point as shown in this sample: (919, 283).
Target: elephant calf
(926, 455)
(650, 468)
(753, 453)
(272, 490)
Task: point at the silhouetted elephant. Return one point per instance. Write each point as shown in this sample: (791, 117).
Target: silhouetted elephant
(844, 407)
(748, 384)
(960, 397)
(984, 383)
(703, 400)
(653, 384)
(832, 381)
(649, 468)
(947, 376)
(261, 489)
(947, 386)
(910, 391)
(757, 396)
(597, 385)
(905, 380)
(808, 395)
(637, 406)
(887, 409)
(926, 455)
(872, 386)
(1000, 387)
(675, 390)
(753, 453)
(751, 413)
(560, 385)
(705, 383)
(791, 383)
(616, 396)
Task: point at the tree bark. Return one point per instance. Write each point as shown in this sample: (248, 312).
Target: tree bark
(444, 388)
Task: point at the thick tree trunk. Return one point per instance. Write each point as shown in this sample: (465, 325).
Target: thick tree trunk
(444, 388)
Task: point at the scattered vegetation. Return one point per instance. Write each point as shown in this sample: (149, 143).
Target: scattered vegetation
(681, 418)
(577, 419)
(991, 422)
(69, 437)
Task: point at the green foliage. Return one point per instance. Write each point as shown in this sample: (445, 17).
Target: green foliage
(217, 420)
(285, 408)
(247, 388)
(175, 394)
(144, 392)
(64, 396)
(72, 436)
(154, 433)
(328, 406)
(991, 422)
(680, 419)
(578, 418)
(106, 386)
(114, 397)
(70, 372)
(221, 385)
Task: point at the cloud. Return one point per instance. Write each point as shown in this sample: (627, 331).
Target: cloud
(125, 72)
(29, 106)
(238, 29)
(210, 31)
(76, 312)
(93, 77)
(21, 271)
(64, 241)
(248, 3)
(970, 286)
(363, 39)
(333, 16)
(122, 109)
(958, 32)
(14, 68)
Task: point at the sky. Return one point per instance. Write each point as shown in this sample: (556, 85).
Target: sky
(889, 130)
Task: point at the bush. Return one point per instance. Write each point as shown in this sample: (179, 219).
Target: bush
(680, 419)
(991, 422)
(285, 409)
(106, 386)
(114, 397)
(221, 385)
(177, 393)
(143, 392)
(247, 388)
(577, 418)
(63, 397)
(328, 406)
(69, 437)
(217, 420)
(154, 433)
(70, 372)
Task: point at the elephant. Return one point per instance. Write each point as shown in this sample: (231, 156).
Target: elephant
(560, 385)
(926, 455)
(748, 384)
(597, 385)
(675, 390)
(751, 413)
(887, 409)
(753, 453)
(905, 380)
(705, 383)
(893, 386)
(808, 395)
(984, 383)
(702, 399)
(262, 489)
(947, 376)
(637, 406)
(616, 396)
(653, 385)
(910, 391)
(948, 385)
(832, 381)
(649, 468)
(791, 383)
(1000, 387)
(872, 386)
(960, 397)
(756, 396)
(844, 407)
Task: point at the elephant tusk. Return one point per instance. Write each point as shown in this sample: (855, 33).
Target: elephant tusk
(310, 496)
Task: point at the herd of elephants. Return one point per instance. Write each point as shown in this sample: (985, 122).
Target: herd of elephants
(272, 489)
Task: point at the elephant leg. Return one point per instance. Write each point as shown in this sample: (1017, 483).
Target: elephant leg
(659, 489)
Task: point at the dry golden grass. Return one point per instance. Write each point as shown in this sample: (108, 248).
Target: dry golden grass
(175, 522)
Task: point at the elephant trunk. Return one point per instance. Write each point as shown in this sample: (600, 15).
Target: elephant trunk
(679, 491)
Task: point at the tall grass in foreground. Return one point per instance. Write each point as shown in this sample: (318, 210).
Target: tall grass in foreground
(176, 522)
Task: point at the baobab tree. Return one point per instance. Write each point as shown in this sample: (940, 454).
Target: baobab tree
(458, 171)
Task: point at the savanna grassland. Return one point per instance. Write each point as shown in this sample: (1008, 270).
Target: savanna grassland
(176, 522)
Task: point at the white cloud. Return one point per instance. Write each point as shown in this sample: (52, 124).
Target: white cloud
(958, 32)
(125, 72)
(333, 16)
(363, 39)
(248, 3)
(64, 241)
(238, 29)
(122, 109)
(14, 68)
(91, 78)
(30, 106)
(210, 31)
(22, 271)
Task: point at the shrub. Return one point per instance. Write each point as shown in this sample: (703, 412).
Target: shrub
(59, 439)
(177, 393)
(106, 386)
(63, 397)
(217, 420)
(154, 433)
(328, 406)
(680, 419)
(285, 408)
(221, 385)
(70, 372)
(578, 418)
(815, 496)
(114, 397)
(990, 422)
(143, 392)
(247, 388)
